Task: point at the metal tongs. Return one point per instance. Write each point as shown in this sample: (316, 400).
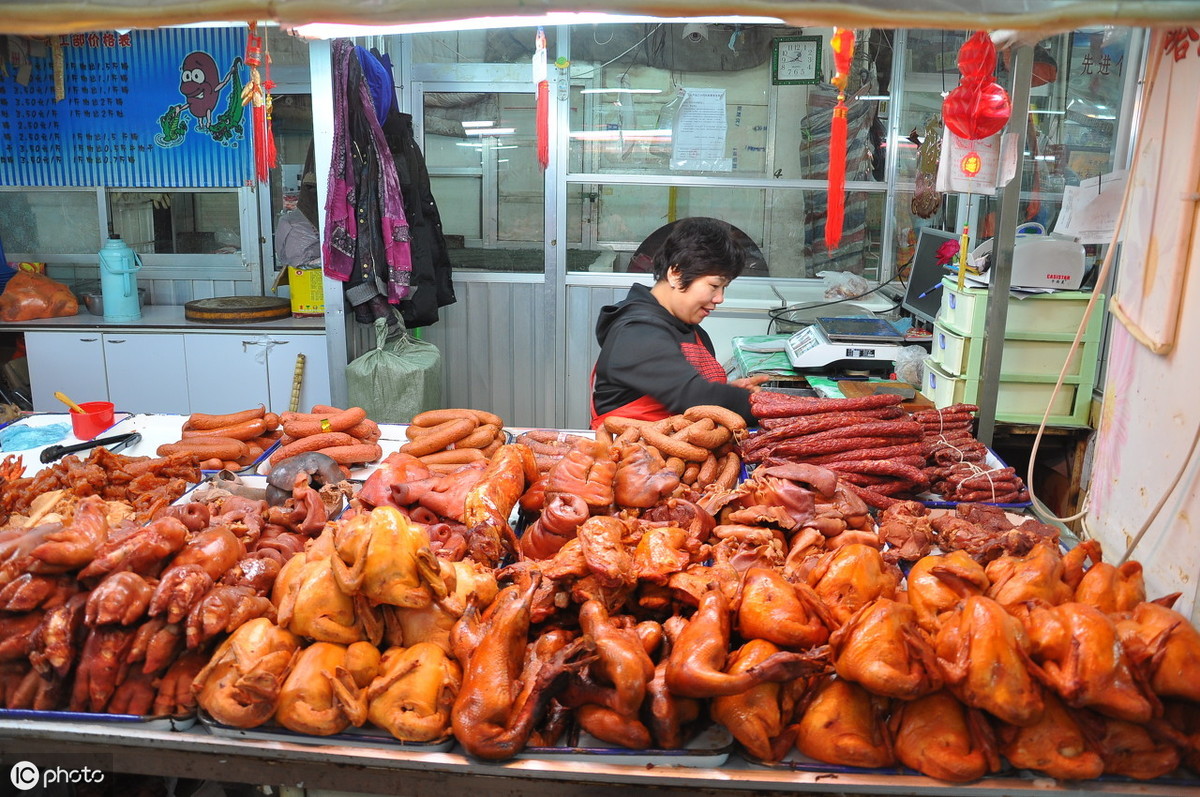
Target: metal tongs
(113, 444)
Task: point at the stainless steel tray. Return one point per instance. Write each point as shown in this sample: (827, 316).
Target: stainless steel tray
(366, 736)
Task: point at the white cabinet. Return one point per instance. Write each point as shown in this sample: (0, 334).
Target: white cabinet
(228, 373)
(71, 362)
(183, 372)
(281, 370)
(137, 372)
(146, 372)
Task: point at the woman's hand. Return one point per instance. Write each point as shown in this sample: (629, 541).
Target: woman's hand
(752, 383)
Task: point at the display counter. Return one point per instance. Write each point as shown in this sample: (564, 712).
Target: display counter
(197, 754)
(91, 359)
(156, 318)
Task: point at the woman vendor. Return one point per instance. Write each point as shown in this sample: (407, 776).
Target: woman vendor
(655, 360)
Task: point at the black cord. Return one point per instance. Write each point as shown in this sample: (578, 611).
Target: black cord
(775, 317)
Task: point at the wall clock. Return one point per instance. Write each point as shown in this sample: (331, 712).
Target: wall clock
(796, 60)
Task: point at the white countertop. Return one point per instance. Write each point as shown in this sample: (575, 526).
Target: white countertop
(159, 317)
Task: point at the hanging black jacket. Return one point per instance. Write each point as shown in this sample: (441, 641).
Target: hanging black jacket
(431, 268)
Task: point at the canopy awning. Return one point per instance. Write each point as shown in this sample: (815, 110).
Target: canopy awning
(46, 17)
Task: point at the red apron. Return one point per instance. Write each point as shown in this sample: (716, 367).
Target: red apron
(647, 408)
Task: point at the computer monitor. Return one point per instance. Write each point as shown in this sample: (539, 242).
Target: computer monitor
(923, 295)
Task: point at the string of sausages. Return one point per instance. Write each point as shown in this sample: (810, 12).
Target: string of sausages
(873, 445)
(957, 462)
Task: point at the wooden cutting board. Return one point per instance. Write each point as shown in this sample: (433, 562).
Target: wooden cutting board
(856, 389)
(237, 309)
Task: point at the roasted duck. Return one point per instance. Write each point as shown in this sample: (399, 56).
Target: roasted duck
(489, 503)
(493, 714)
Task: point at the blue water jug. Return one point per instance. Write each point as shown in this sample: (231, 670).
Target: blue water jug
(118, 281)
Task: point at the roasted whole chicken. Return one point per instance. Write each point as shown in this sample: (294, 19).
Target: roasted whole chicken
(852, 576)
(325, 690)
(310, 603)
(1112, 589)
(1129, 749)
(842, 723)
(1041, 574)
(465, 581)
(940, 737)
(385, 558)
(496, 710)
(937, 583)
(1168, 647)
(756, 716)
(984, 655)
(1054, 744)
(240, 684)
(882, 648)
(696, 664)
(618, 678)
(413, 693)
(789, 615)
(1082, 659)
(601, 540)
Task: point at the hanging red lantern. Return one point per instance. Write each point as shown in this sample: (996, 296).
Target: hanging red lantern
(978, 107)
(977, 56)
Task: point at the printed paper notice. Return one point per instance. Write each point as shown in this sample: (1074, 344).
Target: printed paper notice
(1089, 210)
(698, 135)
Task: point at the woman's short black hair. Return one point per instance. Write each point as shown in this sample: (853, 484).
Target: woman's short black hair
(700, 246)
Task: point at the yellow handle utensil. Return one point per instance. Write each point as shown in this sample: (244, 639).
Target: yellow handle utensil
(63, 398)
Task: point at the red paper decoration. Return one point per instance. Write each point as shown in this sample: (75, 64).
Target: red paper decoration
(978, 107)
(843, 53)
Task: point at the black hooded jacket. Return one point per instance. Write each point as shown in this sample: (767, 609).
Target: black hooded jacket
(641, 355)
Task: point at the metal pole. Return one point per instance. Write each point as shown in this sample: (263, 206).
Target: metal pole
(1002, 252)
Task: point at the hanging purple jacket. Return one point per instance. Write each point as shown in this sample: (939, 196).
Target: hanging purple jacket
(366, 238)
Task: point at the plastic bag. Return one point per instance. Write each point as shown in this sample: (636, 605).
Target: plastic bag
(30, 295)
(397, 379)
(23, 438)
(909, 365)
(844, 285)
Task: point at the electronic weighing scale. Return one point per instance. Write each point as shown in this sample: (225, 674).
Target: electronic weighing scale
(841, 345)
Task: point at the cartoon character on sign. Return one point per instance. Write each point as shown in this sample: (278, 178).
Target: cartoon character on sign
(201, 84)
(198, 81)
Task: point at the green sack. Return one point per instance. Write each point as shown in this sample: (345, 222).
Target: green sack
(397, 379)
